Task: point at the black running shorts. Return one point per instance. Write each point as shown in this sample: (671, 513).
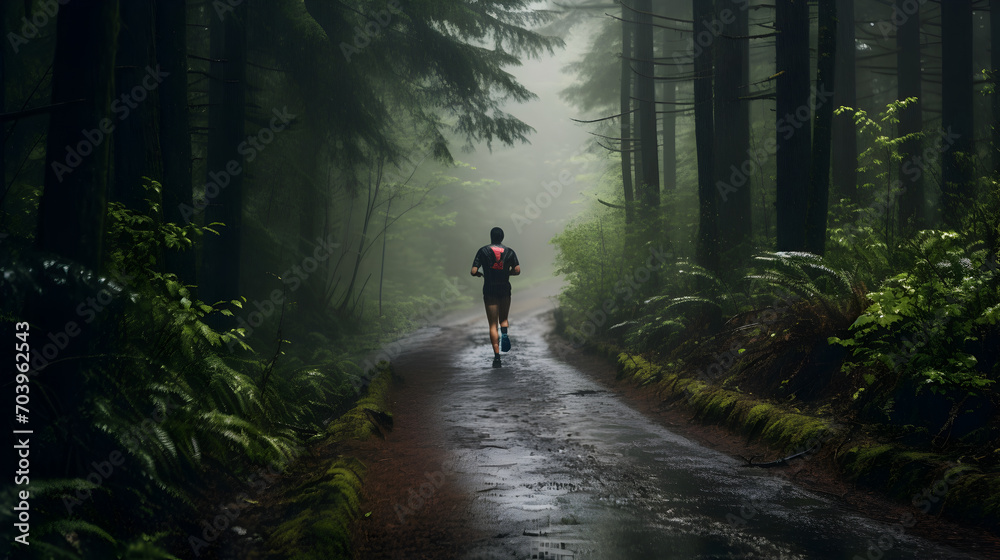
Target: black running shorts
(496, 299)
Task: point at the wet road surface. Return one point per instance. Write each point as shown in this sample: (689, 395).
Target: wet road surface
(553, 465)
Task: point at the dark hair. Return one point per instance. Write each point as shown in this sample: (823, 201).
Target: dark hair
(496, 235)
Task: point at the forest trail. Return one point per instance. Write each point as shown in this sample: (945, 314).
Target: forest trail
(486, 463)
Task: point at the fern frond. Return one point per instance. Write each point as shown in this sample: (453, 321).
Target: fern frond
(691, 300)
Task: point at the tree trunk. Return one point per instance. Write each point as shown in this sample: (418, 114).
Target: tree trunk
(3, 109)
(816, 217)
(72, 207)
(668, 95)
(669, 136)
(845, 134)
(649, 185)
(72, 210)
(704, 129)
(956, 105)
(175, 136)
(626, 108)
(995, 67)
(637, 169)
(732, 128)
(136, 144)
(224, 184)
(381, 268)
(375, 183)
(911, 199)
(793, 123)
(313, 205)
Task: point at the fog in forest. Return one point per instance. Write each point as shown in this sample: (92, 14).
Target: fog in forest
(746, 303)
(530, 190)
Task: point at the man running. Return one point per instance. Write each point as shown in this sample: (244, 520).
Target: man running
(498, 263)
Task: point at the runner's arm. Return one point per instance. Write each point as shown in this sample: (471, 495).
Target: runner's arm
(475, 266)
(516, 271)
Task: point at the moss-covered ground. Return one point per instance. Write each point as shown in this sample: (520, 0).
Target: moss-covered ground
(318, 508)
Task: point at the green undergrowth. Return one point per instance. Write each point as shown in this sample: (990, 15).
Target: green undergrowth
(320, 508)
(935, 483)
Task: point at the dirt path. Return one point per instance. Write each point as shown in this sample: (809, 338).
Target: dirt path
(481, 461)
(416, 510)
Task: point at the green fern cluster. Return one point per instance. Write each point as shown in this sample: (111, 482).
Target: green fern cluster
(693, 295)
(832, 294)
(164, 395)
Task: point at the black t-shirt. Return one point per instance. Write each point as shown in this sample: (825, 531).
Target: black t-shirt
(495, 262)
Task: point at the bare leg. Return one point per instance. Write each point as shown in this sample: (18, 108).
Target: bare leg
(504, 310)
(492, 315)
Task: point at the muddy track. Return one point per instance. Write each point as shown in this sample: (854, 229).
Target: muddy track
(506, 463)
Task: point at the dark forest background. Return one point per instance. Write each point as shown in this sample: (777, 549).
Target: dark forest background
(215, 213)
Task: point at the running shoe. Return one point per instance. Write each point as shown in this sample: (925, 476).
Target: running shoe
(504, 342)
(496, 362)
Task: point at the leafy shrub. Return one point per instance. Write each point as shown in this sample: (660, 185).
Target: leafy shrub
(925, 322)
